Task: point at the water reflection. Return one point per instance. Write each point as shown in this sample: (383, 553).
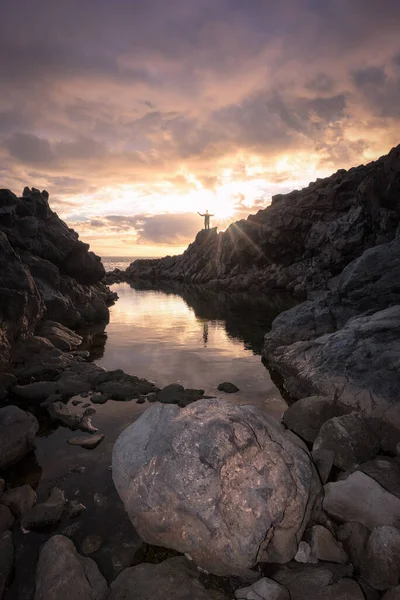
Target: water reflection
(194, 336)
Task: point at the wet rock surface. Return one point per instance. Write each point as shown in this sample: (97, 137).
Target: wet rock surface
(186, 478)
(17, 434)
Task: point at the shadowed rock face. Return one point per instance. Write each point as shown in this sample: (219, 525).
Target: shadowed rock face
(299, 242)
(223, 483)
(44, 270)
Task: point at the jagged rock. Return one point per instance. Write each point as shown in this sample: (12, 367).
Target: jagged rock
(264, 589)
(187, 477)
(306, 416)
(17, 434)
(303, 554)
(61, 337)
(324, 546)
(228, 387)
(21, 306)
(350, 437)
(381, 564)
(87, 442)
(46, 513)
(172, 578)
(6, 518)
(6, 559)
(63, 574)
(19, 500)
(354, 537)
(361, 498)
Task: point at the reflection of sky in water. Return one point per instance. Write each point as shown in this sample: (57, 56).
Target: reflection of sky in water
(158, 336)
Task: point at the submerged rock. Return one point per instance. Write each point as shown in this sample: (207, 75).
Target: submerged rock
(228, 387)
(188, 477)
(46, 513)
(88, 442)
(18, 430)
(63, 574)
(173, 579)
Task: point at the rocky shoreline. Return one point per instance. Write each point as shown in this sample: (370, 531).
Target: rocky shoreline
(256, 509)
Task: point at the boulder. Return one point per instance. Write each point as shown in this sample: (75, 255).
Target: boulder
(172, 578)
(19, 500)
(6, 518)
(188, 477)
(354, 537)
(176, 394)
(386, 471)
(46, 513)
(18, 430)
(381, 564)
(361, 498)
(324, 460)
(6, 559)
(63, 574)
(264, 589)
(306, 416)
(324, 546)
(351, 437)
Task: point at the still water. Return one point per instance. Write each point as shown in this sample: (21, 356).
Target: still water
(197, 338)
(185, 335)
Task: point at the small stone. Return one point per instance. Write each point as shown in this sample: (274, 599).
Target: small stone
(46, 513)
(86, 405)
(263, 589)
(76, 402)
(75, 509)
(89, 412)
(140, 401)
(6, 518)
(324, 546)
(303, 554)
(91, 544)
(228, 387)
(86, 425)
(84, 394)
(89, 442)
(19, 500)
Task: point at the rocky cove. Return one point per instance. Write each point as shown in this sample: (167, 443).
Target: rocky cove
(208, 497)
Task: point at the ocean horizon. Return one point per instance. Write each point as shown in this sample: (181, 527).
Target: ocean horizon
(121, 262)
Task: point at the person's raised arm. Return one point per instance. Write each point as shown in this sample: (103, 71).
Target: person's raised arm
(200, 214)
(211, 215)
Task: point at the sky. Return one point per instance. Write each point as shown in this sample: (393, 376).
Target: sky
(135, 115)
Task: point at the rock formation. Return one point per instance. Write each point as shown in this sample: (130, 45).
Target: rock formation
(299, 242)
(45, 271)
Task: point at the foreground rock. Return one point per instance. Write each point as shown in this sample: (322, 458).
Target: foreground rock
(173, 579)
(188, 477)
(19, 500)
(361, 498)
(17, 434)
(89, 442)
(63, 574)
(381, 564)
(6, 559)
(264, 589)
(228, 387)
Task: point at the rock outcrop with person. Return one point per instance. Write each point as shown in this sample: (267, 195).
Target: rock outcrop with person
(45, 271)
(299, 242)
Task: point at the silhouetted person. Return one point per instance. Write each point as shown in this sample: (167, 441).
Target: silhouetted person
(205, 333)
(206, 219)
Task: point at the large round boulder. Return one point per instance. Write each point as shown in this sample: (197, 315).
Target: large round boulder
(17, 434)
(225, 484)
